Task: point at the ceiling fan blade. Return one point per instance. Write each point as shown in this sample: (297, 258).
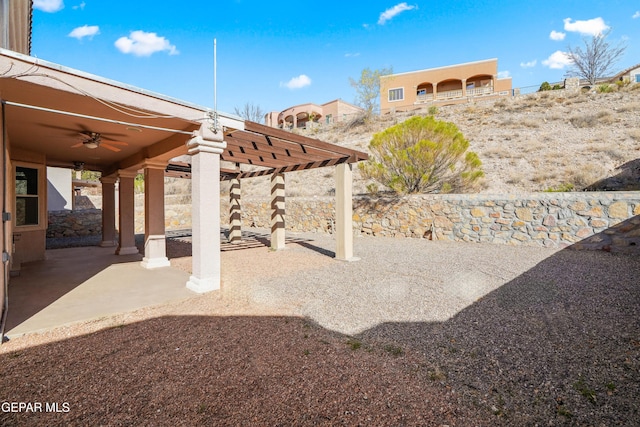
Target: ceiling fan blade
(80, 144)
(109, 135)
(124, 144)
(109, 147)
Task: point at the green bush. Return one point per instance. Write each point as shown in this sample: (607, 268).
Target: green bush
(544, 86)
(562, 188)
(433, 110)
(605, 88)
(422, 155)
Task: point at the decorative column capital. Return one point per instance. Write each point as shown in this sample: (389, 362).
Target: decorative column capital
(108, 179)
(206, 140)
(155, 164)
(123, 173)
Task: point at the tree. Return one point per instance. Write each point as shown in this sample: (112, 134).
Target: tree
(596, 59)
(250, 112)
(422, 155)
(368, 88)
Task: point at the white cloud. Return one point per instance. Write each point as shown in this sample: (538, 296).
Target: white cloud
(297, 82)
(558, 60)
(504, 74)
(352, 55)
(141, 43)
(557, 35)
(48, 5)
(636, 15)
(529, 64)
(85, 31)
(393, 12)
(590, 27)
(80, 6)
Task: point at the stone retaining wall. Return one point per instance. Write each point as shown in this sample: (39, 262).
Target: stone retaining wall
(585, 220)
(80, 223)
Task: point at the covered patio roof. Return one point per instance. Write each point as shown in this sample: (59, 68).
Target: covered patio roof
(53, 110)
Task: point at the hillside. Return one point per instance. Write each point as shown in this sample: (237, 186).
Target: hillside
(528, 143)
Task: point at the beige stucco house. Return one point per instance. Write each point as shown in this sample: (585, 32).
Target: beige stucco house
(631, 74)
(54, 116)
(444, 85)
(299, 115)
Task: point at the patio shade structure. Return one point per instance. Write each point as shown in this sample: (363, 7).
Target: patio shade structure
(56, 116)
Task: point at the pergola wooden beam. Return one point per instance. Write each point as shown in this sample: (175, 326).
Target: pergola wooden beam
(311, 142)
(288, 168)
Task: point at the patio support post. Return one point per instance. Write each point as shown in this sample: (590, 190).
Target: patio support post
(435, 91)
(235, 212)
(277, 212)
(344, 212)
(464, 88)
(205, 148)
(108, 211)
(155, 249)
(127, 227)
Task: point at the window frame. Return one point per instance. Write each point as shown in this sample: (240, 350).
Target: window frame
(401, 98)
(40, 196)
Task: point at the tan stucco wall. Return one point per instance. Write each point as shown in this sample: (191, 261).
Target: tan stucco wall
(29, 242)
(454, 77)
(338, 110)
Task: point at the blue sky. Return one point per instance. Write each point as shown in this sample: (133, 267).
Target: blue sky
(275, 55)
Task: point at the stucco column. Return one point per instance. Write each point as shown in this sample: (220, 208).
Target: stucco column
(108, 211)
(155, 249)
(464, 88)
(435, 91)
(277, 211)
(126, 218)
(235, 212)
(344, 212)
(205, 148)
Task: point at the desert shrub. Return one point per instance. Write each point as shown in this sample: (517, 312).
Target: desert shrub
(544, 86)
(605, 88)
(422, 155)
(557, 87)
(632, 106)
(634, 134)
(591, 120)
(585, 175)
(561, 188)
(433, 110)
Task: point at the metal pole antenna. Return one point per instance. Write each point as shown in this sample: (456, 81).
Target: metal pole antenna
(215, 86)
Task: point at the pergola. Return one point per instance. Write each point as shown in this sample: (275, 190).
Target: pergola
(51, 113)
(274, 152)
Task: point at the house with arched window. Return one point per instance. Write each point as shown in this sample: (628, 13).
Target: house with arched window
(452, 84)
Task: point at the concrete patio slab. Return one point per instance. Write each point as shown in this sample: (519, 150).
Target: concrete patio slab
(79, 284)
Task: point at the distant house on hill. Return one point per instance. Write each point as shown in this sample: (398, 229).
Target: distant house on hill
(299, 116)
(452, 84)
(631, 74)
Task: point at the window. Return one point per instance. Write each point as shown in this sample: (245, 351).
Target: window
(637, 78)
(396, 94)
(27, 195)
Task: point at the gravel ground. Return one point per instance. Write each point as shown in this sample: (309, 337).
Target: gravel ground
(415, 333)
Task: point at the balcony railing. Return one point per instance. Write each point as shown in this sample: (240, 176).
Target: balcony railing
(453, 94)
(425, 97)
(480, 91)
(449, 94)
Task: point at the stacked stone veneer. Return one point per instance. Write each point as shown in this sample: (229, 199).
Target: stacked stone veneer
(79, 223)
(609, 221)
(587, 220)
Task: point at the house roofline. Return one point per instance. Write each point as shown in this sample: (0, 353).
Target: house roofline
(440, 68)
(103, 80)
